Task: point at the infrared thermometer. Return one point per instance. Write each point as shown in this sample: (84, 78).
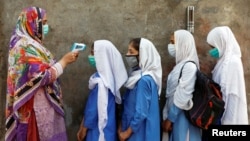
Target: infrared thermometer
(78, 47)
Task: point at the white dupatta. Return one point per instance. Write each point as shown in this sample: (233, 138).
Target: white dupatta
(113, 75)
(150, 64)
(229, 73)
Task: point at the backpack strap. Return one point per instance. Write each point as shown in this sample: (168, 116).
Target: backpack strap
(183, 67)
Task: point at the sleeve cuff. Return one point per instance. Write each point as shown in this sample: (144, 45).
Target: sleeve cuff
(58, 68)
(173, 113)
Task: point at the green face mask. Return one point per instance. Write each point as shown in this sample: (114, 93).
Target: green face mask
(45, 29)
(214, 53)
(91, 59)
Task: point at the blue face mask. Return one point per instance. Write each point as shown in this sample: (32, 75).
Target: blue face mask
(45, 29)
(214, 53)
(91, 59)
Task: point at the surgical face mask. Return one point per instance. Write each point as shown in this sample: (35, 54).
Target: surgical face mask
(171, 49)
(45, 29)
(132, 60)
(214, 53)
(91, 59)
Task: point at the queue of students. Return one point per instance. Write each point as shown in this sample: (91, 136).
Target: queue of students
(34, 108)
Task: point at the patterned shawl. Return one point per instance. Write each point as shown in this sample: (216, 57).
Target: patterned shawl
(28, 63)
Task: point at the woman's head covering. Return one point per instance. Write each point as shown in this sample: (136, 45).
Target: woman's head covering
(149, 63)
(27, 62)
(110, 66)
(179, 91)
(113, 75)
(229, 73)
(185, 47)
(29, 24)
(26, 45)
(223, 39)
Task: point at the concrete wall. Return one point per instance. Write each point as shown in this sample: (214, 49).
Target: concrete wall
(118, 21)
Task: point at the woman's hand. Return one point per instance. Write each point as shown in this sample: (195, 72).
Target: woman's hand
(167, 125)
(81, 132)
(123, 136)
(69, 58)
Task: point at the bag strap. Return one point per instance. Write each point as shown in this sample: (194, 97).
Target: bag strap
(183, 67)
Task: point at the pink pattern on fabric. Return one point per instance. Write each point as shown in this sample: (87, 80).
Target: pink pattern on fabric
(51, 125)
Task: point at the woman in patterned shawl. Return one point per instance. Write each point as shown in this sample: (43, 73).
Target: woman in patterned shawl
(34, 109)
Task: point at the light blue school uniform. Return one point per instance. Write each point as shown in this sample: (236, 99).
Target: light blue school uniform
(181, 126)
(91, 117)
(141, 111)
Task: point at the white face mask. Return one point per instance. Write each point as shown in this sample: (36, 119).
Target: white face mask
(171, 49)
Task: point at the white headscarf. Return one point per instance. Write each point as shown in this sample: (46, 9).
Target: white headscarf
(223, 39)
(150, 64)
(110, 66)
(185, 47)
(113, 75)
(229, 73)
(185, 51)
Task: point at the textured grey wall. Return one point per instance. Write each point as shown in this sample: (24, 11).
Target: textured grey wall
(119, 20)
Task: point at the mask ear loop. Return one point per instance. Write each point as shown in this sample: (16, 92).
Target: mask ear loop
(39, 24)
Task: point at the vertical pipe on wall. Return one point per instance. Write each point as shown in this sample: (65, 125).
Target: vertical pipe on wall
(190, 19)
